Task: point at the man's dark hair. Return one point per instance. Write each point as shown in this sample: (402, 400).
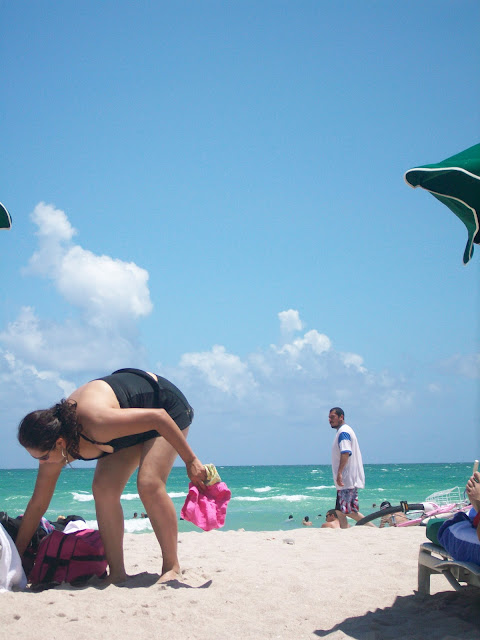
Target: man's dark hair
(338, 411)
(331, 512)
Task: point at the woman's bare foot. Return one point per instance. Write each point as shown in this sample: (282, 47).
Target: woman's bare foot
(473, 491)
(117, 578)
(172, 574)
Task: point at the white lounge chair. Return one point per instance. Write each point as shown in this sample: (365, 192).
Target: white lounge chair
(434, 559)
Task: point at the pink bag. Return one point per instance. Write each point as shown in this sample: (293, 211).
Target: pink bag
(69, 557)
(207, 507)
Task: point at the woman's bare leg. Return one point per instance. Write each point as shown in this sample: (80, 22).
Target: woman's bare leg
(111, 476)
(156, 463)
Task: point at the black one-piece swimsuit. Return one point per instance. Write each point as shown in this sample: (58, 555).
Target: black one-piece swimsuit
(135, 388)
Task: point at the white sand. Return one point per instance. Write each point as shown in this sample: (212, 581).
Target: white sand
(307, 583)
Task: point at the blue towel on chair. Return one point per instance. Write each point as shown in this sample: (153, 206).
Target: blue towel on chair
(459, 538)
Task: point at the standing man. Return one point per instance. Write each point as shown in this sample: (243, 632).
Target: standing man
(347, 468)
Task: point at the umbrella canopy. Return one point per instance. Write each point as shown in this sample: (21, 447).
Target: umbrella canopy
(455, 182)
(5, 218)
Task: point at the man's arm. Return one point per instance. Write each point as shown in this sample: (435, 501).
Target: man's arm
(343, 463)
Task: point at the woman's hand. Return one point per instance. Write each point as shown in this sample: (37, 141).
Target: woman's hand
(196, 472)
(473, 490)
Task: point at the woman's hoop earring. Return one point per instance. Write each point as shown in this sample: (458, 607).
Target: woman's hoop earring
(64, 456)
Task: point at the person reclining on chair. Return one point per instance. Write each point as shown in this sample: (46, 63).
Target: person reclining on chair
(473, 492)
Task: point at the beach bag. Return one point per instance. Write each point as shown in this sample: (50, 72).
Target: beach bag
(69, 557)
(62, 521)
(12, 525)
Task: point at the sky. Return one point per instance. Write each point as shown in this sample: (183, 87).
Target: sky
(215, 192)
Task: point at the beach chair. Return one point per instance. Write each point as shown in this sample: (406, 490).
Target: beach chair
(434, 559)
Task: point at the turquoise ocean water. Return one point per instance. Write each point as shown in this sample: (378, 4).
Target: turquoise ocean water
(262, 497)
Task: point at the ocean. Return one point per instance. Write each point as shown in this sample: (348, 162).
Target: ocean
(263, 497)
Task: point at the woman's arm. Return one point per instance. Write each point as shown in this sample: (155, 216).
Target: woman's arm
(47, 477)
(105, 423)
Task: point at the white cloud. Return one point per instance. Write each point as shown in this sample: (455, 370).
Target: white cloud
(71, 346)
(53, 224)
(221, 370)
(353, 360)
(25, 374)
(109, 292)
(24, 332)
(289, 382)
(260, 363)
(54, 233)
(395, 400)
(290, 321)
(313, 341)
(466, 366)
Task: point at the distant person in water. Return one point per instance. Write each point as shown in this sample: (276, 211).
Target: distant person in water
(306, 522)
(129, 420)
(331, 520)
(347, 467)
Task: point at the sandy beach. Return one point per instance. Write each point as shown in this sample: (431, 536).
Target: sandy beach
(307, 583)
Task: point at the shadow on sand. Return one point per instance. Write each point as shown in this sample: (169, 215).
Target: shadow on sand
(137, 581)
(176, 584)
(449, 615)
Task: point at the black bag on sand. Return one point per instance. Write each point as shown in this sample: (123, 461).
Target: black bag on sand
(62, 521)
(11, 526)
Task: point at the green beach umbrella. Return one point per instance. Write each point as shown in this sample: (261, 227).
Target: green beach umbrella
(5, 218)
(455, 182)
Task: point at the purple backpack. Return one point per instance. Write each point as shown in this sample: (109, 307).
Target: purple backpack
(68, 557)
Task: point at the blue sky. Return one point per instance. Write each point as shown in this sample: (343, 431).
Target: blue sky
(214, 191)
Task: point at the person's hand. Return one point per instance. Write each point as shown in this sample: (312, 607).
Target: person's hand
(197, 473)
(473, 490)
(340, 479)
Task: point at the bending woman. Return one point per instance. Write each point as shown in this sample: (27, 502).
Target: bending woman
(130, 419)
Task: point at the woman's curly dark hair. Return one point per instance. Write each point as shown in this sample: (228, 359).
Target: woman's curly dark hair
(41, 429)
